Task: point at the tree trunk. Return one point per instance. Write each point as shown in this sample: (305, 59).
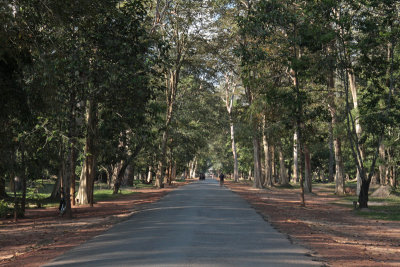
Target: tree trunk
(115, 176)
(353, 89)
(130, 175)
(283, 178)
(72, 149)
(16, 204)
(120, 175)
(382, 165)
(307, 173)
(86, 186)
(363, 196)
(295, 158)
(229, 98)
(339, 177)
(194, 169)
(173, 176)
(3, 194)
(150, 175)
(56, 193)
(235, 157)
(257, 163)
(67, 184)
(172, 80)
(267, 160)
(274, 173)
(331, 154)
(72, 171)
(167, 176)
(24, 188)
(109, 171)
(339, 174)
(161, 163)
(393, 181)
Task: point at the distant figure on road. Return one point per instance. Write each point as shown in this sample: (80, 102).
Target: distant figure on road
(202, 176)
(221, 179)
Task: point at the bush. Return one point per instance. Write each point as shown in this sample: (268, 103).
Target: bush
(4, 209)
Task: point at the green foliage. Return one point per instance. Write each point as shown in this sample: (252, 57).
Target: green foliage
(5, 210)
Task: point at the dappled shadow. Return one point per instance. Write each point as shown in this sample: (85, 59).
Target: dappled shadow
(200, 224)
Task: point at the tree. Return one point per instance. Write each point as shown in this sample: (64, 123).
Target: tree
(375, 64)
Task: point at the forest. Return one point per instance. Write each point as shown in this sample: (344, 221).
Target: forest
(276, 92)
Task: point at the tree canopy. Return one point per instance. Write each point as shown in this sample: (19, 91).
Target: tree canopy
(277, 92)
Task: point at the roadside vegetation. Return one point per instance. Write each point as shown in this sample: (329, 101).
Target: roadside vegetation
(282, 93)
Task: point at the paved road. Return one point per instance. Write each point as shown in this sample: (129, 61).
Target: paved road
(199, 224)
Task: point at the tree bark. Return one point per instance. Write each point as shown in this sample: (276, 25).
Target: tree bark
(307, 168)
(130, 175)
(229, 98)
(122, 168)
(161, 163)
(55, 193)
(353, 89)
(283, 178)
(86, 186)
(331, 154)
(194, 169)
(173, 176)
(66, 185)
(382, 165)
(257, 162)
(393, 181)
(339, 174)
(120, 175)
(274, 174)
(3, 194)
(150, 175)
(363, 196)
(358, 156)
(295, 158)
(235, 157)
(267, 160)
(339, 177)
(72, 165)
(24, 188)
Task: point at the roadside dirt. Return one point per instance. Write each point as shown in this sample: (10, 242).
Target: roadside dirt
(44, 235)
(332, 232)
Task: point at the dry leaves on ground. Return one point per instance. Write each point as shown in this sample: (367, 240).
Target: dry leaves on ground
(43, 235)
(333, 232)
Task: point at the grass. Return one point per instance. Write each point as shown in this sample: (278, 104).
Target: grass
(107, 194)
(38, 193)
(379, 208)
(387, 212)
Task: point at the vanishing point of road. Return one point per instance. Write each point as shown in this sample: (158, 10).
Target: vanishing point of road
(199, 224)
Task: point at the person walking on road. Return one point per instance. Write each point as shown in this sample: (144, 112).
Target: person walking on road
(221, 179)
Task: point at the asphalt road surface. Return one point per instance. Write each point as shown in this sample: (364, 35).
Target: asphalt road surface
(200, 224)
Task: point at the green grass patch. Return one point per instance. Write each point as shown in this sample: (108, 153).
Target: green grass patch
(38, 193)
(387, 212)
(107, 194)
(139, 185)
(378, 208)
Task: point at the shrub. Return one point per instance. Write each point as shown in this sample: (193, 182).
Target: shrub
(4, 209)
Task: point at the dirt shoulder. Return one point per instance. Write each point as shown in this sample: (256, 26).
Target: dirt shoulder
(334, 233)
(44, 235)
